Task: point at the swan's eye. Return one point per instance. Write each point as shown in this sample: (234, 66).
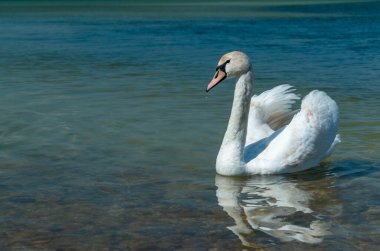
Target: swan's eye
(222, 67)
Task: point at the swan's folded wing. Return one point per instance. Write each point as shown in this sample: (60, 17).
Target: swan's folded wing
(270, 111)
(308, 138)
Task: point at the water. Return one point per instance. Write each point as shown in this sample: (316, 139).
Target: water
(108, 139)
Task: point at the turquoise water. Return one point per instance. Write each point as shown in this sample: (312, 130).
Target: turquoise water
(108, 139)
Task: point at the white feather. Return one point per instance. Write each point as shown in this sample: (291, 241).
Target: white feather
(270, 111)
(310, 137)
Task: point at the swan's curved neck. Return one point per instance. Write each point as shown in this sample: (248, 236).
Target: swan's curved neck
(230, 158)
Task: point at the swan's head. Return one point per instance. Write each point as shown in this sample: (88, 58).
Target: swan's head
(232, 64)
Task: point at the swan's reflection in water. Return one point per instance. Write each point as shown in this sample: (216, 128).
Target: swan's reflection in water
(273, 205)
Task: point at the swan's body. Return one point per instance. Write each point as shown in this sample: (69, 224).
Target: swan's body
(259, 139)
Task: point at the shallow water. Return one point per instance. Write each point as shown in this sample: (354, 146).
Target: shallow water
(108, 140)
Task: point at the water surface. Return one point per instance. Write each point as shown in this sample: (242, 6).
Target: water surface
(108, 140)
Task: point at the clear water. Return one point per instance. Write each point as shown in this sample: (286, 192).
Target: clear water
(108, 140)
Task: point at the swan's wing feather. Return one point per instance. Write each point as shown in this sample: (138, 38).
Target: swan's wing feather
(281, 120)
(277, 105)
(270, 111)
(310, 137)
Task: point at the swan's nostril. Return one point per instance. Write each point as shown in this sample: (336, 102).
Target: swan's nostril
(216, 74)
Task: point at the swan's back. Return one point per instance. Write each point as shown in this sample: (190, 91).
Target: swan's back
(310, 137)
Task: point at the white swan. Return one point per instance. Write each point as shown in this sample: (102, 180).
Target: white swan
(259, 139)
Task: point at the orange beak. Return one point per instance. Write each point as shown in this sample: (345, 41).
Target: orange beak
(218, 77)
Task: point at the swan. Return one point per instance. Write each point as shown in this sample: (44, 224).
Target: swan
(264, 135)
